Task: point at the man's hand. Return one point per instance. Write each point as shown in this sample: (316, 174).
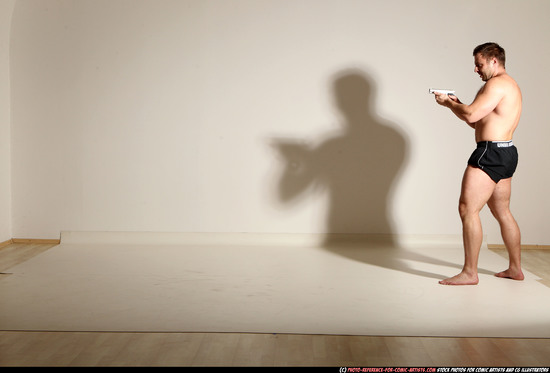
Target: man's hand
(445, 99)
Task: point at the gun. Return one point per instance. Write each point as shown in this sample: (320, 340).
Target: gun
(443, 91)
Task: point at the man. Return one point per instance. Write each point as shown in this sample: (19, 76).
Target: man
(494, 114)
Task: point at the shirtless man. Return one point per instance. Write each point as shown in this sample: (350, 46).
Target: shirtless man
(494, 114)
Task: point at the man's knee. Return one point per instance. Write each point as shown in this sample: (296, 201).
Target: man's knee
(500, 212)
(466, 209)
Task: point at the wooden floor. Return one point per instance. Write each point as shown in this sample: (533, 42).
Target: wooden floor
(85, 349)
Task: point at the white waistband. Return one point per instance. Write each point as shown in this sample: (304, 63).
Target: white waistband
(503, 144)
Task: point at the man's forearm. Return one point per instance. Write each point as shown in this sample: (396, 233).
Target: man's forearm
(457, 109)
(461, 111)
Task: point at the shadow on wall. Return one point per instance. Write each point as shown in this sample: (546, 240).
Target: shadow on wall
(357, 169)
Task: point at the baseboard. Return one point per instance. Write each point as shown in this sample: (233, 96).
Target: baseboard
(35, 241)
(523, 247)
(5, 243)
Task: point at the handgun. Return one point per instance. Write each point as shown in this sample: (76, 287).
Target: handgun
(443, 91)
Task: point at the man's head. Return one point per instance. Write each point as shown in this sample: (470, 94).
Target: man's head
(489, 58)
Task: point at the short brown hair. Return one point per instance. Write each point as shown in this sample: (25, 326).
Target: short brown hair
(490, 50)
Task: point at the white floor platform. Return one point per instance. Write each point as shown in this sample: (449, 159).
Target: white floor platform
(243, 283)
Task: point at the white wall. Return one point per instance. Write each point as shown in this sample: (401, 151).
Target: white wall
(6, 9)
(263, 116)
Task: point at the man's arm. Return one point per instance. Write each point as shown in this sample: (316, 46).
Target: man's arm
(456, 100)
(485, 102)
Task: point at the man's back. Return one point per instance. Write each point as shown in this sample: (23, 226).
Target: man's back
(500, 124)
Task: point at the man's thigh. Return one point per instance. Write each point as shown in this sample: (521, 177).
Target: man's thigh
(477, 188)
(500, 199)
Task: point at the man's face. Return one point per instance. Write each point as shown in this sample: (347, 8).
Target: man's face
(485, 68)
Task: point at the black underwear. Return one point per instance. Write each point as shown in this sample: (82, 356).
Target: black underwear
(498, 159)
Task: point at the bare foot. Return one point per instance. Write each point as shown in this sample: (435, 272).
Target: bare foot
(461, 279)
(511, 273)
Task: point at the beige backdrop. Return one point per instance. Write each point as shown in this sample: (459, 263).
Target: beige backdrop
(6, 9)
(258, 115)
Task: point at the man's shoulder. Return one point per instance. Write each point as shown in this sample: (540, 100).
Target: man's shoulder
(501, 82)
(504, 79)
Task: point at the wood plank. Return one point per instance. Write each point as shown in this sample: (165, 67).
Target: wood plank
(369, 351)
(216, 350)
(255, 350)
(5, 243)
(36, 241)
(15, 254)
(407, 351)
(523, 247)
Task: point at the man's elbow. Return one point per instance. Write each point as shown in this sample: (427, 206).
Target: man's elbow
(470, 117)
(475, 114)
